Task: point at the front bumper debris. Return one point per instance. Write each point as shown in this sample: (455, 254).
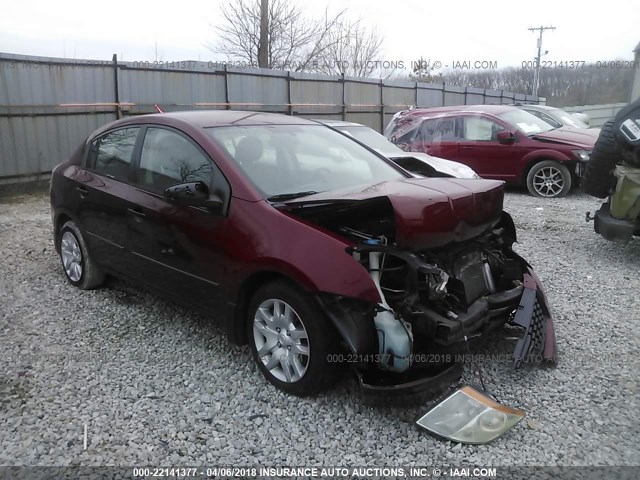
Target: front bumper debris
(413, 383)
(538, 344)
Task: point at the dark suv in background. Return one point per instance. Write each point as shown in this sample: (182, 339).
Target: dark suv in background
(500, 142)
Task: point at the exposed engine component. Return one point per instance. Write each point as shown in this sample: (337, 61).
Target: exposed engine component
(395, 338)
(440, 297)
(436, 291)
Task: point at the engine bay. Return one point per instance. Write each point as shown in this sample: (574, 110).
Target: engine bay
(433, 299)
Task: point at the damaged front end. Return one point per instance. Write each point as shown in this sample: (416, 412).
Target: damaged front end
(438, 290)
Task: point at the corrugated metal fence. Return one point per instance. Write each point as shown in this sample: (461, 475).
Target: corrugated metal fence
(49, 105)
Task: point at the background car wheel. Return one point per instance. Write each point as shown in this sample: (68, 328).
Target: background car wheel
(290, 339)
(78, 266)
(598, 179)
(549, 179)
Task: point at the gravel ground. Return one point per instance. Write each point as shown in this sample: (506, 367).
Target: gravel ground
(158, 384)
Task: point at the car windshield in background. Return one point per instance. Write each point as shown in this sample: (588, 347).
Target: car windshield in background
(567, 119)
(528, 123)
(372, 139)
(288, 161)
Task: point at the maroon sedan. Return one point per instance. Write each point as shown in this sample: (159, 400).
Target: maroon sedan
(309, 246)
(498, 141)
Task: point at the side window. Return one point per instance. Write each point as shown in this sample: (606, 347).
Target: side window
(169, 158)
(480, 129)
(111, 154)
(435, 130)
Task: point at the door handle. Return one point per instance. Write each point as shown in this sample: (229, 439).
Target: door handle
(138, 214)
(83, 191)
(466, 147)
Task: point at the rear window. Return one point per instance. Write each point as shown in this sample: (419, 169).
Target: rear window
(111, 154)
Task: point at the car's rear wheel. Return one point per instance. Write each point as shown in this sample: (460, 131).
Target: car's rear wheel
(290, 339)
(78, 265)
(549, 179)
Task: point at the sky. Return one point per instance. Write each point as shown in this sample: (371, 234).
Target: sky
(447, 32)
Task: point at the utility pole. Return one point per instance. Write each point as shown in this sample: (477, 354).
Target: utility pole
(536, 75)
(263, 47)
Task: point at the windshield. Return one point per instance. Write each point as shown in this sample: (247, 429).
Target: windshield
(528, 123)
(289, 161)
(567, 119)
(372, 139)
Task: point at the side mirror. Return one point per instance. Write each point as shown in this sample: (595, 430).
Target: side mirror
(506, 137)
(193, 194)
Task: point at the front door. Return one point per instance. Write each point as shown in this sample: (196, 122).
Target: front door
(480, 149)
(177, 249)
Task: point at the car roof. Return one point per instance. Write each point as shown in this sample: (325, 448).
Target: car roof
(212, 118)
(537, 107)
(338, 123)
(431, 112)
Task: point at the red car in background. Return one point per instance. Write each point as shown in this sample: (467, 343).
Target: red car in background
(499, 142)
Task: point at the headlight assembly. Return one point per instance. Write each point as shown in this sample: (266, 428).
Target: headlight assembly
(582, 155)
(467, 416)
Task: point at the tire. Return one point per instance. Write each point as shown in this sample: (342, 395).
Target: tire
(77, 264)
(598, 180)
(306, 372)
(549, 179)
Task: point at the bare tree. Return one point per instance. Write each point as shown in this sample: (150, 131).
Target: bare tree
(353, 50)
(294, 40)
(422, 70)
(561, 86)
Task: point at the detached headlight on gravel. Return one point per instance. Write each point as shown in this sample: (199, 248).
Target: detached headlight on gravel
(467, 416)
(583, 155)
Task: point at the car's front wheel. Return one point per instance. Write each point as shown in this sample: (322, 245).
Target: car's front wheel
(78, 265)
(549, 179)
(290, 339)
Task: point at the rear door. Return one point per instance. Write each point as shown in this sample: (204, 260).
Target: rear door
(439, 137)
(103, 194)
(177, 249)
(480, 149)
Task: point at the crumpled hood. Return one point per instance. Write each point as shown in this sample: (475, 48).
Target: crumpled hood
(429, 212)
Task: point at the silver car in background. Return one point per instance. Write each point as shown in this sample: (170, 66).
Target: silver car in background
(558, 117)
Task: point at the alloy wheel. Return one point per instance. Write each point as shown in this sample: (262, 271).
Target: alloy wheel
(71, 256)
(281, 340)
(548, 182)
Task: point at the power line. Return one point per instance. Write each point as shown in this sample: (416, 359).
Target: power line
(536, 75)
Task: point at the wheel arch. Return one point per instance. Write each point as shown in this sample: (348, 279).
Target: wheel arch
(236, 325)
(59, 219)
